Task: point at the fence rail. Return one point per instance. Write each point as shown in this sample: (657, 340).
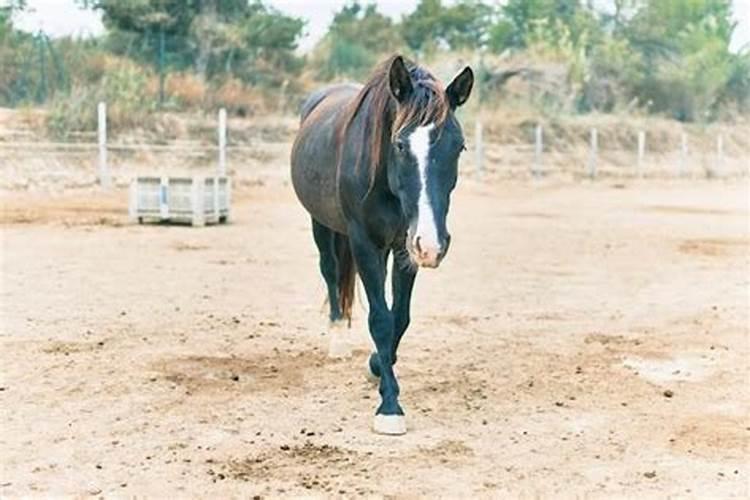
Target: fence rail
(542, 155)
(594, 159)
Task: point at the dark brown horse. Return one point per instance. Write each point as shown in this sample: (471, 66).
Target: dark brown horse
(375, 166)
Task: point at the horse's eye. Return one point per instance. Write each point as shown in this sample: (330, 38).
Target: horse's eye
(463, 147)
(401, 146)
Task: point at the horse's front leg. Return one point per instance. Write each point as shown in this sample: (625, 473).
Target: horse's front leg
(403, 274)
(389, 417)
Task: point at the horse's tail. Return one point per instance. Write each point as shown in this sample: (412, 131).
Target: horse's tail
(347, 273)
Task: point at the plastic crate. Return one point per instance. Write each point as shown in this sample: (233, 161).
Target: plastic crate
(194, 200)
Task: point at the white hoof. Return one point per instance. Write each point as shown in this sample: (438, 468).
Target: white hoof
(391, 425)
(371, 377)
(339, 345)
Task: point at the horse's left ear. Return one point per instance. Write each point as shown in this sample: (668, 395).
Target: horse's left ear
(399, 80)
(460, 88)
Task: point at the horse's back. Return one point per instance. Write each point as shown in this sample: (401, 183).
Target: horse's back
(343, 90)
(314, 154)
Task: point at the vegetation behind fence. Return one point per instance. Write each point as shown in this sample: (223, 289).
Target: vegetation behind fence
(553, 57)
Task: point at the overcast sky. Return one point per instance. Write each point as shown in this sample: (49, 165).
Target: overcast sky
(61, 17)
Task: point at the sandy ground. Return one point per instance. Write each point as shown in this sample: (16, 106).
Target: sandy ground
(585, 340)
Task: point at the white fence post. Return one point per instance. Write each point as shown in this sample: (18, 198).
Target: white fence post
(593, 153)
(641, 151)
(479, 147)
(536, 168)
(104, 179)
(222, 170)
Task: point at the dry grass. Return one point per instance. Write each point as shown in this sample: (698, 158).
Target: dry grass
(238, 99)
(186, 88)
(562, 133)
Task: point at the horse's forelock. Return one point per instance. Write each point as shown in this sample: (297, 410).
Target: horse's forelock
(427, 104)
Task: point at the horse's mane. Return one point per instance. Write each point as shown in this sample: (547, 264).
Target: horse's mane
(385, 119)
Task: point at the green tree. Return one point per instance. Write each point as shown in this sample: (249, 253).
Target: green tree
(684, 63)
(213, 37)
(365, 26)
(520, 19)
(656, 27)
(433, 25)
(28, 71)
(358, 35)
(268, 41)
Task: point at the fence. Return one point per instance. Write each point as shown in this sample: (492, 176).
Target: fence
(591, 158)
(166, 70)
(103, 146)
(259, 151)
(91, 158)
(33, 69)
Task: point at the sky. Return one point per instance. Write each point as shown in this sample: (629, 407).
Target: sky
(62, 17)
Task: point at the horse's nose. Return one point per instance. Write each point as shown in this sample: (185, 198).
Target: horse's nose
(428, 254)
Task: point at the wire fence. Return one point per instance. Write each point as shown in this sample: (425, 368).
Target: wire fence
(166, 70)
(704, 155)
(257, 150)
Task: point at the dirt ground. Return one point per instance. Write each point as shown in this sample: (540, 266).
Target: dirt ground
(580, 340)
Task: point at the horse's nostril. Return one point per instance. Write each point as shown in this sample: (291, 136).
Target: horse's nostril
(416, 244)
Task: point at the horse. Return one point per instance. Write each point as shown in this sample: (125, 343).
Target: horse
(374, 165)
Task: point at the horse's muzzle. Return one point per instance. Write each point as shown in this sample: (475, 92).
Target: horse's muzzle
(428, 255)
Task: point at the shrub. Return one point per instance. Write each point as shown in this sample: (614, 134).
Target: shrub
(123, 87)
(237, 98)
(186, 90)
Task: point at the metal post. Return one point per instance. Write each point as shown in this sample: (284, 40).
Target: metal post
(42, 95)
(536, 169)
(222, 142)
(104, 179)
(161, 65)
(479, 147)
(641, 151)
(593, 153)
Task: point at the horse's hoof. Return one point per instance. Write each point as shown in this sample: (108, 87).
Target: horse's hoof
(339, 345)
(371, 377)
(390, 425)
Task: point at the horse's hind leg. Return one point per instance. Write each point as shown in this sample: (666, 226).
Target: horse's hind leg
(325, 239)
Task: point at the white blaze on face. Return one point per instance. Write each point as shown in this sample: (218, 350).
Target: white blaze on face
(419, 142)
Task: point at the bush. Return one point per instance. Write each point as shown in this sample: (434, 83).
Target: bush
(123, 87)
(184, 90)
(237, 98)
(338, 58)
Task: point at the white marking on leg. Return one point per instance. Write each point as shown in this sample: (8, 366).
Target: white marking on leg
(419, 142)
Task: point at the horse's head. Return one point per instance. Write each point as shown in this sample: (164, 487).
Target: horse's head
(425, 145)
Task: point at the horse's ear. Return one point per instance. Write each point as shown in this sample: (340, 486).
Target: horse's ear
(399, 80)
(460, 88)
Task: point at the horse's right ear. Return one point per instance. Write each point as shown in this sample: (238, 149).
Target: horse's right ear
(399, 80)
